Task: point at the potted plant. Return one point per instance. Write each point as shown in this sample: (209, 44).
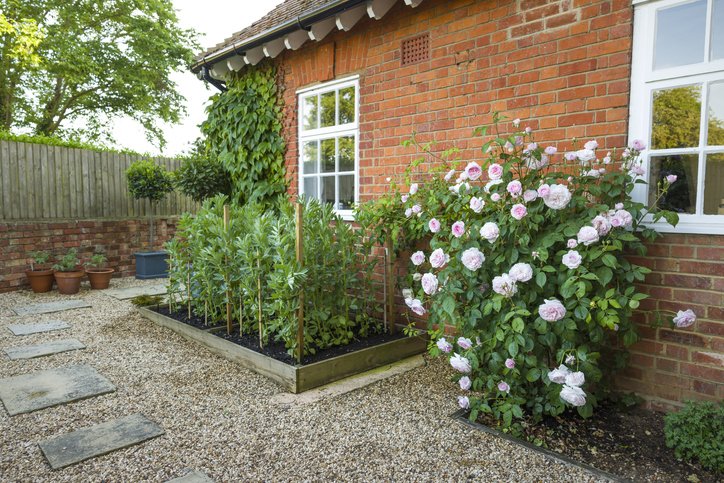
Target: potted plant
(99, 277)
(68, 275)
(41, 280)
(147, 180)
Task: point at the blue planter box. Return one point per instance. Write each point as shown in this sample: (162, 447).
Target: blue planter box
(151, 265)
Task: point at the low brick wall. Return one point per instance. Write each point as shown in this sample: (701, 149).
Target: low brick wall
(668, 366)
(117, 239)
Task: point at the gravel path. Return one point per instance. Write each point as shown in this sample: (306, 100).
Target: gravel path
(218, 417)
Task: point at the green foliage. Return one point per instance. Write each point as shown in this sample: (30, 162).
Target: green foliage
(200, 178)
(96, 260)
(243, 132)
(97, 61)
(20, 39)
(69, 261)
(697, 431)
(147, 180)
(677, 119)
(40, 257)
(145, 300)
(260, 244)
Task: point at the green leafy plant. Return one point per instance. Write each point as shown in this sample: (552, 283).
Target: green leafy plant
(243, 132)
(69, 261)
(96, 260)
(145, 300)
(697, 431)
(40, 257)
(200, 178)
(147, 180)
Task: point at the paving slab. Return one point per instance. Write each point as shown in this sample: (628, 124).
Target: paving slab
(44, 389)
(50, 307)
(98, 440)
(41, 350)
(195, 477)
(36, 327)
(130, 292)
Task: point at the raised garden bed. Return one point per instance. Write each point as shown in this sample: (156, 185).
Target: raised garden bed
(296, 378)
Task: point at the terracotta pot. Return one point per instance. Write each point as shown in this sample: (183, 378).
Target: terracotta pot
(99, 278)
(69, 282)
(40, 280)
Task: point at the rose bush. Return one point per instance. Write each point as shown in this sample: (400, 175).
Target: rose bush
(529, 267)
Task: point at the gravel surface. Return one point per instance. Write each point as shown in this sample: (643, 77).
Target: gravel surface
(219, 419)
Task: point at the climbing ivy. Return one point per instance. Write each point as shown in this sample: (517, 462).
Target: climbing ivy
(243, 131)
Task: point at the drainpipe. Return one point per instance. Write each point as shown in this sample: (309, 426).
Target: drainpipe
(204, 74)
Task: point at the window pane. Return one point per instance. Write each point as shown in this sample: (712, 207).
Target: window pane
(309, 112)
(310, 187)
(310, 157)
(676, 118)
(346, 105)
(681, 196)
(715, 137)
(328, 189)
(346, 192)
(717, 31)
(328, 109)
(680, 34)
(327, 155)
(714, 185)
(346, 153)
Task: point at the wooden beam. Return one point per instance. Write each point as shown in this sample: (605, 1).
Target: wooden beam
(347, 19)
(273, 48)
(254, 55)
(295, 39)
(413, 3)
(219, 70)
(235, 63)
(321, 29)
(378, 8)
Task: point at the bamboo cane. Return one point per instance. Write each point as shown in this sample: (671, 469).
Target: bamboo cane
(391, 279)
(258, 280)
(188, 292)
(226, 258)
(206, 312)
(300, 259)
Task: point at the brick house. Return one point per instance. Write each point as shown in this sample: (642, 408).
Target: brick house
(359, 76)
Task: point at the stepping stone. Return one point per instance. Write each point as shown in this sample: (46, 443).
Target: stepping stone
(98, 440)
(40, 350)
(34, 328)
(130, 292)
(49, 308)
(196, 477)
(44, 389)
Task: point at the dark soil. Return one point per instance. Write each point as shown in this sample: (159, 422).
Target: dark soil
(277, 350)
(630, 444)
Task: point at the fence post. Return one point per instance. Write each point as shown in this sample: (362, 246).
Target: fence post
(226, 275)
(391, 279)
(300, 259)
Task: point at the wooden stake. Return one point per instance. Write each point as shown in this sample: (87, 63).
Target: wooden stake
(300, 259)
(228, 292)
(258, 280)
(206, 312)
(240, 315)
(391, 279)
(188, 292)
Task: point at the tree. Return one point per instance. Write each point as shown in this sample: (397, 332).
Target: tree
(147, 180)
(677, 117)
(98, 61)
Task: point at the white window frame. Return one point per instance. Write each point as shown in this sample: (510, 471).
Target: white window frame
(330, 132)
(644, 81)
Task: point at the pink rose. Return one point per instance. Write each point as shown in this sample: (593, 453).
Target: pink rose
(552, 310)
(444, 345)
(490, 231)
(495, 171)
(530, 195)
(587, 235)
(495, 197)
(418, 257)
(573, 395)
(408, 212)
(570, 360)
(521, 272)
(559, 375)
(518, 141)
(465, 343)
(558, 197)
(518, 211)
(570, 156)
(473, 258)
(504, 387)
(572, 243)
(543, 191)
(416, 209)
(575, 379)
(625, 217)
(591, 145)
(516, 122)
(619, 206)
(509, 363)
(685, 319)
(434, 225)
(671, 178)
(638, 170)
(449, 175)
(465, 382)
(572, 259)
(404, 198)
(505, 285)
(413, 188)
(531, 147)
(458, 229)
(438, 258)
(638, 145)
(417, 307)
(460, 363)
(514, 188)
(602, 225)
(473, 170)
(528, 130)
(429, 283)
(550, 150)
(476, 204)
(463, 401)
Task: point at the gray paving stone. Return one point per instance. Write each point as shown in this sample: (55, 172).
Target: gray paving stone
(98, 440)
(49, 308)
(130, 292)
(35, 327)
(195, 477)
(40, 350)
(44, 389)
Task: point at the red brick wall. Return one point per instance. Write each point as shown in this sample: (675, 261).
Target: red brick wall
(116, 239)
(562, 67)
(688, 273)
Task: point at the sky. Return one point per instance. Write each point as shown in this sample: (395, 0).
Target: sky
(215, 20)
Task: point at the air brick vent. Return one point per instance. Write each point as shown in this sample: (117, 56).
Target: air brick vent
(415, 49)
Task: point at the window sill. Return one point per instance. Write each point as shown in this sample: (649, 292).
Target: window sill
(690, 225)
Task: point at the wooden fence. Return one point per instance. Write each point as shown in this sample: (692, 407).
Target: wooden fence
(52, 182)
